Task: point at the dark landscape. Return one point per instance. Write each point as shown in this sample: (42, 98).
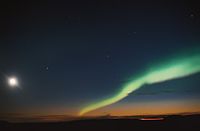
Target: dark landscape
(179, 123)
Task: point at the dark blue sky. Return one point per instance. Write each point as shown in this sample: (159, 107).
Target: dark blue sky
(68, 54)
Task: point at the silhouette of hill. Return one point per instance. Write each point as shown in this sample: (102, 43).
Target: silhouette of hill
(175, 122)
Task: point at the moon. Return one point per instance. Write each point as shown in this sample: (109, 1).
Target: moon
(13, 82)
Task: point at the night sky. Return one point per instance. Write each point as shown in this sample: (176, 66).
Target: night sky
(67, 55)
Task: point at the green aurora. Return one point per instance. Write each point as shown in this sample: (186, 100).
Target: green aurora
(169, 70)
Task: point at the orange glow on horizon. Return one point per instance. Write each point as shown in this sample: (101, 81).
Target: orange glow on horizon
(128, 109)
(156, 108)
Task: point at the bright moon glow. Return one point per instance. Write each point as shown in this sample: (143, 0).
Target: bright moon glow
(12, 81)
(169, 70)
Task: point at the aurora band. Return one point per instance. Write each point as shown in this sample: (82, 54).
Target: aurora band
(169, 70)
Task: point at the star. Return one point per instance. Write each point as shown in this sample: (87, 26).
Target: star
(192, 15)
(108, 56)
(132, 33)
